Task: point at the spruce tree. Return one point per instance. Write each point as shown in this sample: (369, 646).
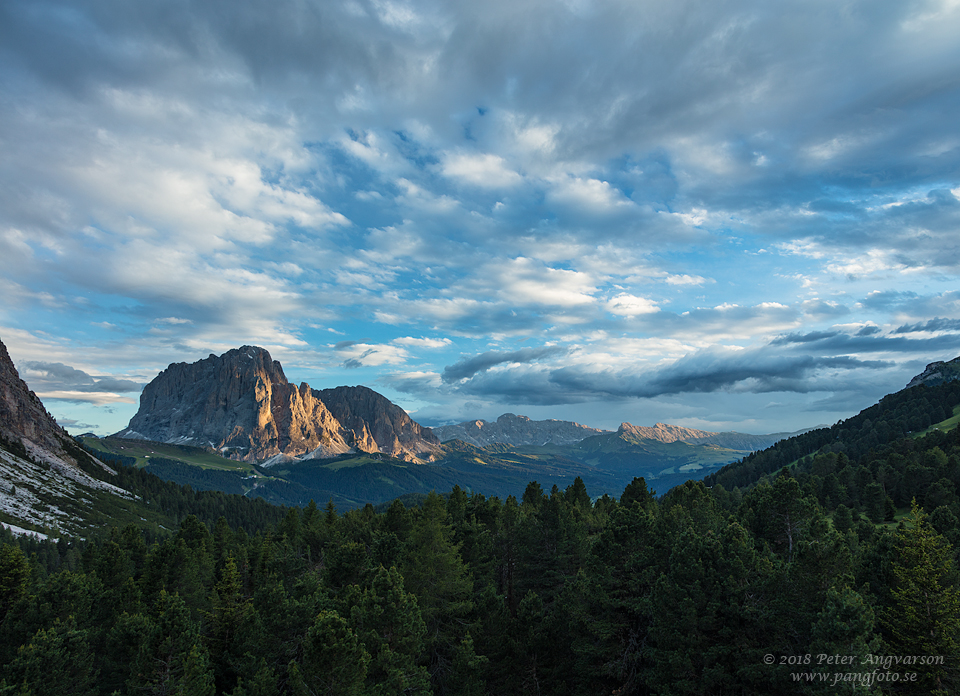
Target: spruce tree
(924, 615)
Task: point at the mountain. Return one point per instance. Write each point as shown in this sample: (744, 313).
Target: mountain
(931, 404)
(242, 404)
(46, 481)
(664, 461)
(937, 373)
(520, 431)
(516, 430)
(676, 433)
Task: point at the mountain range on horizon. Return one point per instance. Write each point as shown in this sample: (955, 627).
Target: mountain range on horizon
(520, 431)
(241, 404)
(46, 480)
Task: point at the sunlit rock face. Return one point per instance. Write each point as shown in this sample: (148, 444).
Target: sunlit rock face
(242, 404)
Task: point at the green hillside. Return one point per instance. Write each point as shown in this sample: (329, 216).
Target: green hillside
(142, 451)
(605, 463)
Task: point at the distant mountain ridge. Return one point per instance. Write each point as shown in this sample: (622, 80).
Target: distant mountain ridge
(242, 404)
(516, 430)
(521, 431)
(729, 439)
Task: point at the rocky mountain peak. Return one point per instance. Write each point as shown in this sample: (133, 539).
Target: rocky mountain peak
(38, 465)
(242, 404)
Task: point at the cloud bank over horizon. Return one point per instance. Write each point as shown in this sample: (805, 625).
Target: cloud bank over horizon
(722, 215)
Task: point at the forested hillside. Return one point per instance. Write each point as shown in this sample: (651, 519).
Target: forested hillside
(694, 593)
(897, 415)
(825, 564)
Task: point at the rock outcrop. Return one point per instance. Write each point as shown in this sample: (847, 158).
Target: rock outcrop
(242, 404)
(520, 430)
(937, 373)
(662, 433)
(37, 469)
(378, 424)
(516, 430)
(23, 417)
(677, 433)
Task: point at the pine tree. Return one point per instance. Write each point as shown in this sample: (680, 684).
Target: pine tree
(58, 660)
(14, 574)
(924, 616)
(334, 660)
(197, 674)
(387, 621)
(845, 627)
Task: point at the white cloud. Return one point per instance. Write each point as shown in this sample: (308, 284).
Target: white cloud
(684, 279)
(588, 194)
(524, 281)
(628, 305)
(422, 342)
(484, 170)
(98, 398)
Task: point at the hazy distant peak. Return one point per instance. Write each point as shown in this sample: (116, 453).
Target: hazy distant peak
(515, 430)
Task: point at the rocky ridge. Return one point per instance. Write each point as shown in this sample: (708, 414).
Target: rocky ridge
(36, 466)
(23, 417)
(677, 433)
(937, 373)
(242, 404)
(516, 430)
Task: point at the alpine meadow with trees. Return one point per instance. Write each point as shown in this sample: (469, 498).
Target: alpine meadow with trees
(807, 568)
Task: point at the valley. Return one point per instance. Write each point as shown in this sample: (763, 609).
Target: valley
(478, 568)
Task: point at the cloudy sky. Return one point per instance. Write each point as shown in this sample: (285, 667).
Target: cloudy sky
(726, 214)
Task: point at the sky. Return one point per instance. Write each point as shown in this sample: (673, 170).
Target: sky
(723, 214)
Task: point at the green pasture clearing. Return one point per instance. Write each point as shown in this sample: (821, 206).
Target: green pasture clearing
(945, 425)
(143, 450)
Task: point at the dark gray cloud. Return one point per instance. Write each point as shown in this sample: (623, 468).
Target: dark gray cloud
(54, 376)
(804, 338)
(470, 366)
(781, 366)
(937, 324)
(75, 425)
(357, 362)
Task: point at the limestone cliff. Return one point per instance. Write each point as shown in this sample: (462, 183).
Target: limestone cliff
(242, 404)
(677, 433)
(520, 430)
(662, 432)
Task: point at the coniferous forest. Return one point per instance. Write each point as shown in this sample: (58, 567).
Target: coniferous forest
(834, 572)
